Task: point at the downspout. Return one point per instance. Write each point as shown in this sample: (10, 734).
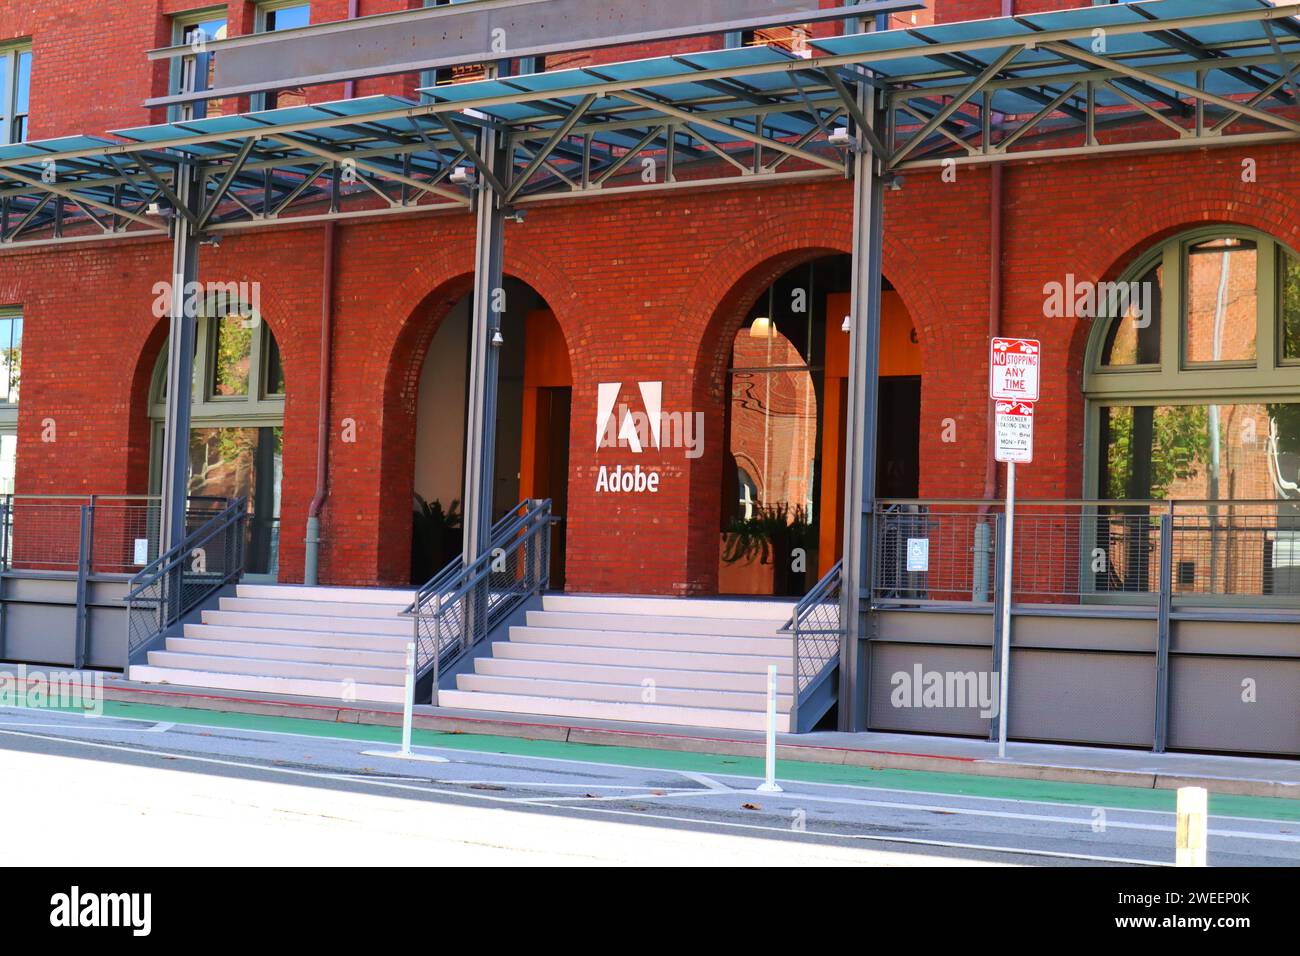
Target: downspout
(995, 309)
(311, 556)
(983, 530)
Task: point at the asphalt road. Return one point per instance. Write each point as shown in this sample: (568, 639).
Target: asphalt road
(167, 792)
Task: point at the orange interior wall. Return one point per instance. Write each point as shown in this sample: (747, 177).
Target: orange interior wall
(546, 365)
(900, 355)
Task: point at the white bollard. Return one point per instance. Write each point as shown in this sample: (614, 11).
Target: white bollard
(769, 784)
(1192, 837)
(408, 717)
(408, 704)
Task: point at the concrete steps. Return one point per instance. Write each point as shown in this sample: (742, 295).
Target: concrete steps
(708, 699)
(606, 710)
(660, 623)
(262, 684)
(340, 643)
(588, 673)
(773, 647)
(640, 657)
(683, 662)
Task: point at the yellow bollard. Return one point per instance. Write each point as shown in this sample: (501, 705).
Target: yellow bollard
(1193, 826)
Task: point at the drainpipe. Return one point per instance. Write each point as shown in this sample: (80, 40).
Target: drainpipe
(983, 529)
(311, 557)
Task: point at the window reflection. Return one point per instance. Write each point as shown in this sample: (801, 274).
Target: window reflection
(1290, 306)
(773, 419)
(1201, 452)
(243, 462)
(1222, 301)
(1135, 338)
(198, 73)
(233, 355)
(11, 358)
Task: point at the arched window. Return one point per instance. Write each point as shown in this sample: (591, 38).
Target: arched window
(1193, 374)
(236, 425)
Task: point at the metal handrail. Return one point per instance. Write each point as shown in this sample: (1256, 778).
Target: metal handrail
(462, 603)
(170, 586)
(506, 525)
(817, 631)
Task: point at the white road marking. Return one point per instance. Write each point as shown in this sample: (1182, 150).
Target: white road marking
(704, 780)
(701, 778)
(866, 837)
(584, 808)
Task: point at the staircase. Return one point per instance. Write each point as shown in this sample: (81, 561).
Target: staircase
(687, 662)
(673, 661)
(341, 643)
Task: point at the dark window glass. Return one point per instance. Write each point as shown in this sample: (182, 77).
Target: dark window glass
(274, 368)
(1134, 337)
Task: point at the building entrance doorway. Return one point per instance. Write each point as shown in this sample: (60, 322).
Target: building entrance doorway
(532, 428)
(783, 470)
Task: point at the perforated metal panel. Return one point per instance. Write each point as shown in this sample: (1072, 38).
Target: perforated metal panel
(1083, 696)
(1211, 706)
(894, 669)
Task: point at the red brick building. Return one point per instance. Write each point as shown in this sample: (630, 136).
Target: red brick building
(624, 289)
(665, 307)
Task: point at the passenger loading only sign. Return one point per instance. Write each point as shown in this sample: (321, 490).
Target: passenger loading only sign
(1014, 431)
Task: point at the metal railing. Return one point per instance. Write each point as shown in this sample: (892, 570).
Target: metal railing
(817, 633)
(175, 583)
(463, 603)
(48, 533)
(1089, 552)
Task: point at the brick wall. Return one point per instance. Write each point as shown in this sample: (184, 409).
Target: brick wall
(644, 288)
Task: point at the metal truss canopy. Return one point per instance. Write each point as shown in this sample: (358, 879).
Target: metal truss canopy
(1130, 77)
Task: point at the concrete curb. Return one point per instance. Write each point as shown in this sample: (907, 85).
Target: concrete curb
(682, 743)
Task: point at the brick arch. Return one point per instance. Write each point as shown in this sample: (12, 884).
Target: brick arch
(1109, 263)
(1105, 254)
(719, 304)
(760, 256)
(422, 310)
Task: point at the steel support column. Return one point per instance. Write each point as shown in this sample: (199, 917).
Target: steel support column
(180, 359)
(861, 422)
(1163, 632)
(486, 307)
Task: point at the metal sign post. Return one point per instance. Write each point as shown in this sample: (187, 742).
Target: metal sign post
(1014, 386)
(1015, 443)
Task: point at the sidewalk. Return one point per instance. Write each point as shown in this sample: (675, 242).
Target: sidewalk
(1243, 776)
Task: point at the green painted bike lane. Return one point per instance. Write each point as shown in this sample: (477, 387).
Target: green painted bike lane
(919, 781)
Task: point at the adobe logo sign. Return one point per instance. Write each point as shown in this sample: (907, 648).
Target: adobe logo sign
(625, 428)
(639, 430)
